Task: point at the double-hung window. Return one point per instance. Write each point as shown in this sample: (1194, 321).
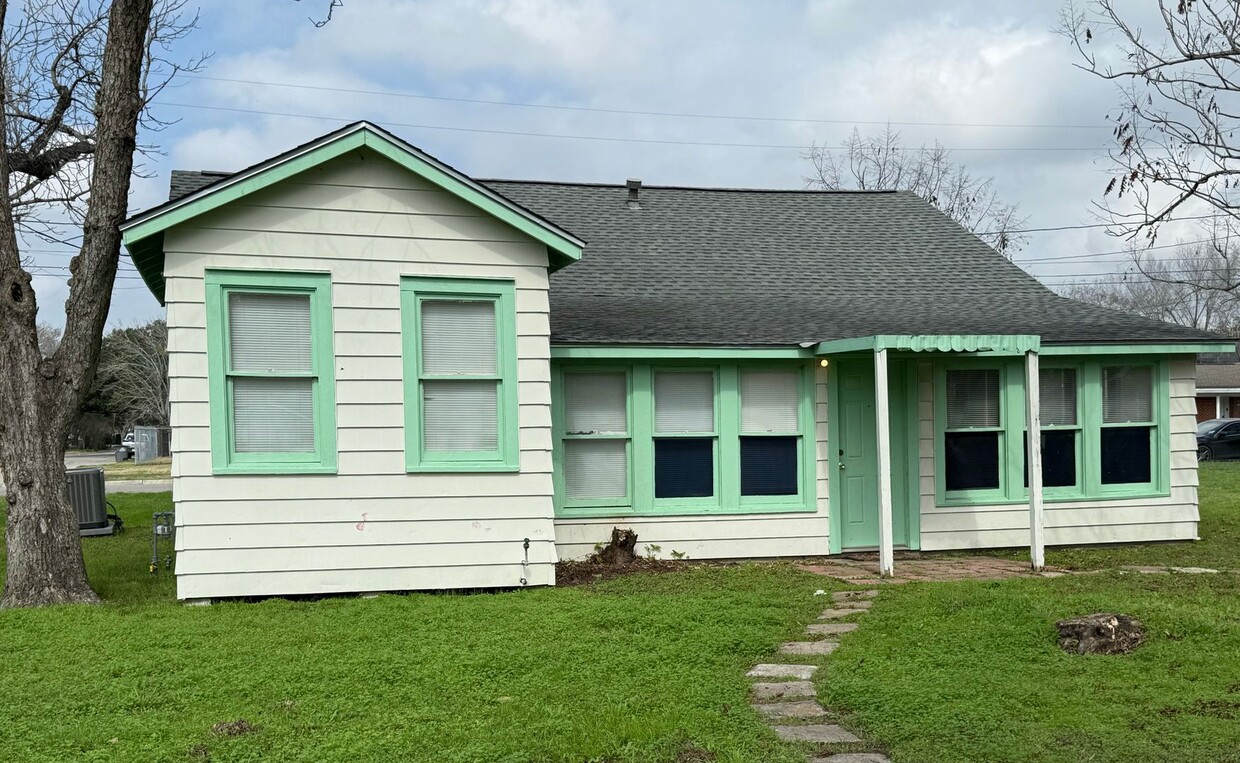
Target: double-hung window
(684, 434)
(1104, 430)
(1127, 438)
(770, 434)
(973, 439)
(270, 365)
(1061, 428)
(668, 438)
(596, 436)
(460, 374)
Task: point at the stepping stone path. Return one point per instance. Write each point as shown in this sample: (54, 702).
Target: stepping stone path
(784, 703)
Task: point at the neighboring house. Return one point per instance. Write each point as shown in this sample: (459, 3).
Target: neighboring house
(387, 375)
(1218, 386)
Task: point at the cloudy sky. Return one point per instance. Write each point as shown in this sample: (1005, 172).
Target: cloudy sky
(730, 90)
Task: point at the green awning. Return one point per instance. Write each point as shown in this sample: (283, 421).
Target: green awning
(992, 344)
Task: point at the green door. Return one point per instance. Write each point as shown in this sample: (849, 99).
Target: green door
(856, 445)
(857, 454)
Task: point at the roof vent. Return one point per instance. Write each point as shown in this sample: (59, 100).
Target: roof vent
(635, 191)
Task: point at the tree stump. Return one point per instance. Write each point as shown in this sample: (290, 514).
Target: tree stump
(1102, 633)
(621, 549)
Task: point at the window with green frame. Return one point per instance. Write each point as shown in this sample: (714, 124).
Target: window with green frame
(683, 439)
(271, 372)
(460, 361)
(1104, 430)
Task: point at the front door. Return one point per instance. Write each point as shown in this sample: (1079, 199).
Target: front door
(857, 451)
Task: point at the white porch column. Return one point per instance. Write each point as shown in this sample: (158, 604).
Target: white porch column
(1218, 407)
(1037, 546)
(882, 420)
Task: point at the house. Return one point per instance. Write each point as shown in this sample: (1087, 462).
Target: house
(387, 375)
(1218, 386)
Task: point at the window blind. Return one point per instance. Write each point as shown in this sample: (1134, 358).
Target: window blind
(595, 403)
(684, 402)
(269, 332)
(460, 415)
(1057, 396)
(1127, 394)
(458, 337)
(769, 401)
(595, 468)
(273, 415)
(972, 398)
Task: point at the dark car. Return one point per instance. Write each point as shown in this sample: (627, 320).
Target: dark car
(1218, 439)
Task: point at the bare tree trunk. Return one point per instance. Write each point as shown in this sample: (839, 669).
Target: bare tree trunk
(39, 396)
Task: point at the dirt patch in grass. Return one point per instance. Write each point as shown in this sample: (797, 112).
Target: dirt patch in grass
(1227, 709)
(691, 753)
(587, 571)
(236, 728)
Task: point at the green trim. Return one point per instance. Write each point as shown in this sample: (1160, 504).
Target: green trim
(992, 344)
(224, 457)
(1089, 485)
(140, 233)
(638, 352)
(506, 456)
(726, 435)
(1189, 348)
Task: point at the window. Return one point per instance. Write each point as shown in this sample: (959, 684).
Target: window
(596, 439)
(770, 439)
(1127, 424)
(1061, 429)
(684, 426)
(460, 374)
(270, 366)
(678, 439)
(1105, 429)
(973, 440)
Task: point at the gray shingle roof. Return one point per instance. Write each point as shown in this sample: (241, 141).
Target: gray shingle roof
(1218, 376)
(753, 267)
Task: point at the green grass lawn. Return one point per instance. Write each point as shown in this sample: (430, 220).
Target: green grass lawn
(970, 671)
(645, 668)
(642, 668)
(155, 469)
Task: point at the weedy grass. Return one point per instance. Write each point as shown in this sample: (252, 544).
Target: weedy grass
(641, 668)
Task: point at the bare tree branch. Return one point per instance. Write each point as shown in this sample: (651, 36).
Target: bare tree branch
(882, 162)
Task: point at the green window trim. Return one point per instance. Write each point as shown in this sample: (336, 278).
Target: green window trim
(727, 498)
(506, 456)
(1089, 426)
(224, 457)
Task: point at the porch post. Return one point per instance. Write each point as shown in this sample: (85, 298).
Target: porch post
(882, 420)
(1218, 407)
(1037, 548)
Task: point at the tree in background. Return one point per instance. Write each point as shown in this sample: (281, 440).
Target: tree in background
(883, 163)
(133, 374)
(1189, 287)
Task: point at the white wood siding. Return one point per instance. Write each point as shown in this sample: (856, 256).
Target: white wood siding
(371, 527)
(1128, 520)
(724, 536)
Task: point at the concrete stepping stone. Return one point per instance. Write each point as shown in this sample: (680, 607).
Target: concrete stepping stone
(809, 647)
(783, 689)
(805, 709)
(835, 614)
(844, 597)
(854, 757)
(830, 629)
(858, 604)
(771, 670)
(828, 733)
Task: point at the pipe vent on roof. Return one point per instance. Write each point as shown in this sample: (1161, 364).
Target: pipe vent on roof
(635, 191)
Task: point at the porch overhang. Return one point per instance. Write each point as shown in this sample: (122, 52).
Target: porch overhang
(989, 344)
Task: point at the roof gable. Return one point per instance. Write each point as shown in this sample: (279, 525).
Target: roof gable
(143, 233)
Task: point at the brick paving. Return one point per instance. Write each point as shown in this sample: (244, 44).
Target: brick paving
(862, 569)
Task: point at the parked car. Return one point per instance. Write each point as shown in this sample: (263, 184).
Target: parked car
(1218, 439)
(129, 441)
